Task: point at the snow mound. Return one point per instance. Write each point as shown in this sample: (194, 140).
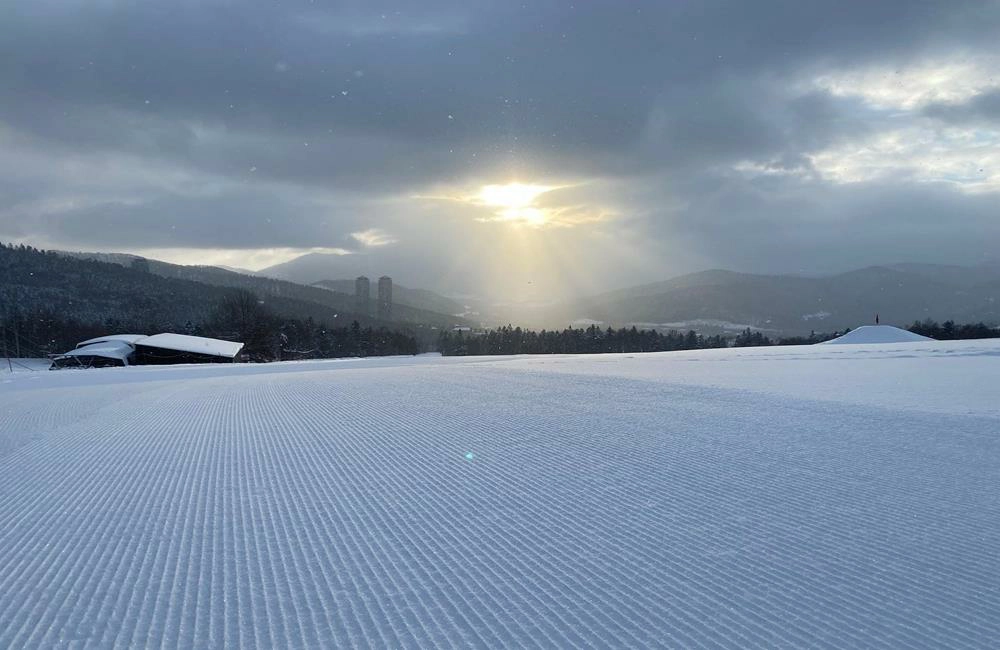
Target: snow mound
(878, 334)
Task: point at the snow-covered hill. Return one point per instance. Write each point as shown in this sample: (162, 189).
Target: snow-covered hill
(773, 497)
(867, 334)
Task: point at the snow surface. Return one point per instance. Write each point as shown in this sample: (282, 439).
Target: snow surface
(877, 334)
(197, 344)
(27, 364)
(827, 496)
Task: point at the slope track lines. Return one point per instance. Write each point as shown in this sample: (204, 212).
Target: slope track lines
(335, 507)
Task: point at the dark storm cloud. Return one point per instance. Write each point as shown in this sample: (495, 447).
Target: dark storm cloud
(983, 108)
(246, 219)
(555, 78)
(271, 103)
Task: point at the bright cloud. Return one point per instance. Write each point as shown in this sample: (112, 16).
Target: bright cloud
(968, 158)
(373, 237)
(899, 139)
(910, 86)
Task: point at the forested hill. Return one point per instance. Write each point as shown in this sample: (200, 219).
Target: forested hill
(94, 291)
(273, 289)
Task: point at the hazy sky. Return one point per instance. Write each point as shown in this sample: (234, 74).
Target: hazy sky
(645, 139)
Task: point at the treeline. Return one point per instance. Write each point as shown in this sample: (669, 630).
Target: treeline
(239, 316)
(751, 338)
(592, 340)
(946, 331)
(949, 330)
(267, 337)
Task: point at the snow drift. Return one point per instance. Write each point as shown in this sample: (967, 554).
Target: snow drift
(878, 334)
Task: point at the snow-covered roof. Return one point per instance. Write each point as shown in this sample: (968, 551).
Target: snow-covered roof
(108, 349)
(878, 334)
(193, 344)
(128, 338)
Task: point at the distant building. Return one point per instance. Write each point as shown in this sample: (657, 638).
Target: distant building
(362, 295)
(385, 298)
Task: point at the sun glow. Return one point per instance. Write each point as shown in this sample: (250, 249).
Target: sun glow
(515, 201)
(533, 205)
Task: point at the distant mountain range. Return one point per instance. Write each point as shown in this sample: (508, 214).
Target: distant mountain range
(316, 267)
(720, 300)
(289, 298)
(715, 301)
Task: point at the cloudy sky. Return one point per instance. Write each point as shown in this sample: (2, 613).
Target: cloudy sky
(502, 146)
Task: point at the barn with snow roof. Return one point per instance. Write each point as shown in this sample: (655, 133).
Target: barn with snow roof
(181, 348)
(139, 349)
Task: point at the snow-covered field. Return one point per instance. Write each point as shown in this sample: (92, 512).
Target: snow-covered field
(825, 496)
(14, 364)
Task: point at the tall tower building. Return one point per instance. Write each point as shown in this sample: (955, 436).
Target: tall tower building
(385, 298)
(362, 295)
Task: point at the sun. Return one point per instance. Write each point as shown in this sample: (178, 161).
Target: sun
(515, 201)
(512, 195)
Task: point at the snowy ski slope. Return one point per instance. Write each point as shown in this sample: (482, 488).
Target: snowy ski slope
(830, 496)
